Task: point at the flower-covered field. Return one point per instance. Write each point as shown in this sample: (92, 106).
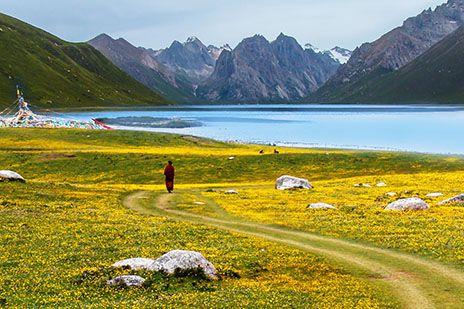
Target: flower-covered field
(360, 214)
(64, 227)
(58, 241)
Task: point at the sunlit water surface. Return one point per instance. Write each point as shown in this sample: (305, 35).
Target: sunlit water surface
(433, 129)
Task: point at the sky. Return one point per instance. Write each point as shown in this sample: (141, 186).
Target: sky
(157, 23)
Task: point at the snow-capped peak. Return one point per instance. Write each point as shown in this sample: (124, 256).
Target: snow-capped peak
(339, 54)
(342, 55)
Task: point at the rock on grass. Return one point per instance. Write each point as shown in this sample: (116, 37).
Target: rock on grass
(11, 176)
(412, 203)
(181, 259)
(288, 182)
(457, 199)
(127, 280)
(134, 263)
(321, 206)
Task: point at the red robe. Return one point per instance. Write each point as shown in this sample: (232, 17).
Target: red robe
(169, 173)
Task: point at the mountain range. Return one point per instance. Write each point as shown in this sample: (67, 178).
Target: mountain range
(391, 52)
(261, 71)
(258, 70)
(419, 61)
(52, 72)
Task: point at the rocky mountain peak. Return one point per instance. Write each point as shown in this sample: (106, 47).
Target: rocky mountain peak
(102, 38)
(176, 45)
(258, 71)
(284, 40)
(192, 39)
(192, 58)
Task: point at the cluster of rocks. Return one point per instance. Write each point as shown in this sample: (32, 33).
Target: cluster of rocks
(169, 263)
(414, 203)
(6, 175)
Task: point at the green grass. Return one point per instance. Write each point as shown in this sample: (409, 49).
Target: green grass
(72, 164)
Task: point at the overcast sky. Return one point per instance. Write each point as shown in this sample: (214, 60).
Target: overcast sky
(155, 23)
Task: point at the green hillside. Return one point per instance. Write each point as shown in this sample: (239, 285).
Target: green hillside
(437, 76)
(55, 73)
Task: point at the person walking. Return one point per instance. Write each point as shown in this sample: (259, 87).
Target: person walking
(169, 173)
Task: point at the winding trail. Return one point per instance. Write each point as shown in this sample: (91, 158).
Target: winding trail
(416, 281)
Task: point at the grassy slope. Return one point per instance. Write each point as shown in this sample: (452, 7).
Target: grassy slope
(52, 72)
(437, 76)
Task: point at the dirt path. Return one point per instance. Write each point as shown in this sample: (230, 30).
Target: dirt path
(417, 282)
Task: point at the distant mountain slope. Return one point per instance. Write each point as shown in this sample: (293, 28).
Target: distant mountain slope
(142, 66)
(260, 71)
(435, 76)
(391, 52)
(52, 72)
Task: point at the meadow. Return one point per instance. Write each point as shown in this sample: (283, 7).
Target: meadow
(64, 227)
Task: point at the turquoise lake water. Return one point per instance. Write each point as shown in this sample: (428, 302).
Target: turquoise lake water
(433, 129)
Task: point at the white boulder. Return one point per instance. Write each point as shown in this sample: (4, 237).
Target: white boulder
(287, 182)
(434, 194)
(134, 263)
(11, 176)
(182, 259)
(231, 192)
(381, 184)
(366, 185)
(127, 280)
(457, 199)
(412, 203)
(321, 205)
(390, 193)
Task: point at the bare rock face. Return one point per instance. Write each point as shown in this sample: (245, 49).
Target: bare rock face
(182, 259)
(135, 263)
(457, 199)
(258, 70)
(11, 176)
(192, 58)
(321, 206)
(413, 203)
(127, 280)
(287, 182)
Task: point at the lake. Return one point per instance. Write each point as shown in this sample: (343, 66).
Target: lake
(430, 128)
